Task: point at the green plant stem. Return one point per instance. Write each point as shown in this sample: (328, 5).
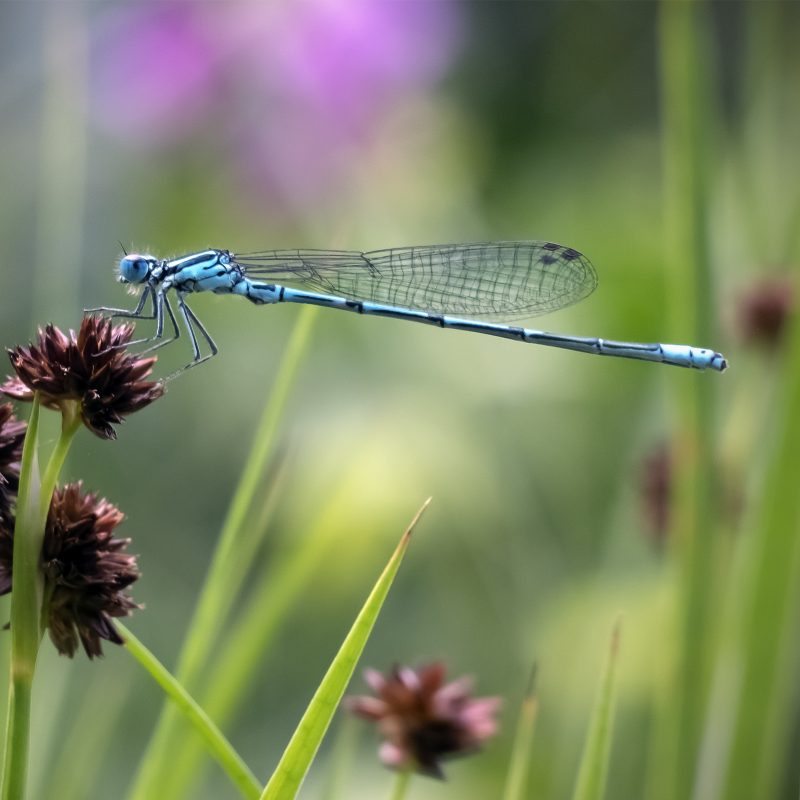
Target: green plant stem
(222, 750)
(401, 785)
(15, 769)
(33, 504)
(24, 615)
(688, 164)
(70, 422)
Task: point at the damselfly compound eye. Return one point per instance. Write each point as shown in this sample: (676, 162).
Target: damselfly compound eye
(135, 268)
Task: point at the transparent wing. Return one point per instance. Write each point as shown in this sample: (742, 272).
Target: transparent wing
(489, 279)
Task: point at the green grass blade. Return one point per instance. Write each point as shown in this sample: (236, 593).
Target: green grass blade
(227, 567)
(591, 783)
(225, 571)
(768, 599)
(222, 750)
(521, 752)
(86, 743)
(296, 760)
(689, 124)
(230, 674)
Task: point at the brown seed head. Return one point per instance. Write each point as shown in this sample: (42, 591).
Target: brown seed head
(424, 720)
(764, 310)
(91, 369)
(86, 572)
(655, 488)
(12, 433)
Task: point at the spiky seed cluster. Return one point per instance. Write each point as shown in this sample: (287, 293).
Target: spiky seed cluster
(86, 572)
(12, 433)
(424, 720)
(91, 369)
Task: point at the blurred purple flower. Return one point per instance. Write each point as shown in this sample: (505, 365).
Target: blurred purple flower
(290, 87)
(155, 66)
(342, 61)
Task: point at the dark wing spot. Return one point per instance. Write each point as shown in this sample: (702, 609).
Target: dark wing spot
(551, 246)
(570, 255)
(548, 259)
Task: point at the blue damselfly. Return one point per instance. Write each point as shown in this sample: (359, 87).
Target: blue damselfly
(457, 286)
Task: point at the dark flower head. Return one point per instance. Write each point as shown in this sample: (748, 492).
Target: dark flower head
(655, 487)
(85, 571)
(12, 432)
(764, 309)
(424, 720)
(91, 371)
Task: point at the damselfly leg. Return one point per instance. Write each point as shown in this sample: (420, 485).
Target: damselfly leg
(191, 320)
(161, 302)
(127, 313)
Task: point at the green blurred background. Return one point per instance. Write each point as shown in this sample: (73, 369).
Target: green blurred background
(175, 127)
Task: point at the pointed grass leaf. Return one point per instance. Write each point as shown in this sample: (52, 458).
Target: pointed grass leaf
(229, 675)
(296, 760)
(523, 737)
(593, 771)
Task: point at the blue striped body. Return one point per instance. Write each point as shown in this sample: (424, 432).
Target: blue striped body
(675, 354)
(505, 278)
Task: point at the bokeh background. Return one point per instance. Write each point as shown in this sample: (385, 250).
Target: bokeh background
(178, 126)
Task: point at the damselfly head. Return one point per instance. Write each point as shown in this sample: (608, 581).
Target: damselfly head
(135, 268)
